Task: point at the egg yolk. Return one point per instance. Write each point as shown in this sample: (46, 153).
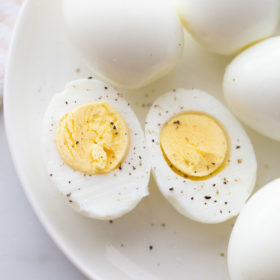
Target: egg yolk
(92, 138)
(195, 144)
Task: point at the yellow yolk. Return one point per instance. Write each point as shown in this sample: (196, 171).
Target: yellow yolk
(92, 138)
(193, 143)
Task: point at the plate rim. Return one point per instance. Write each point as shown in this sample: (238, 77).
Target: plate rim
(39, 213)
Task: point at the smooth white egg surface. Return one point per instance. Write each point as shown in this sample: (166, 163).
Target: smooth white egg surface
(254, 247)
(222, 194)
(252, 87)
(225, 27)
(105, 195)
(128, 43)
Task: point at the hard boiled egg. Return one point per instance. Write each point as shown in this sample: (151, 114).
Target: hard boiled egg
(129, 43)
(94, 150)
(254, 247)
(225, 27)
(202, 159)
(252, 87)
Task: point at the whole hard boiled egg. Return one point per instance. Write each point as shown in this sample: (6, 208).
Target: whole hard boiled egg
(254, 247)
(129, 43)
(225, 27)
(202, 159)
(94, 150)
(252, 87)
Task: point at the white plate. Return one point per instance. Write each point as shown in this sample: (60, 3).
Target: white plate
(41, 62)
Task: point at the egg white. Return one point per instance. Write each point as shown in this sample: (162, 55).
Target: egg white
(226, 27)
(254, 247)
(229, 189)
(127, 43)
(104, 196)
(251, 87)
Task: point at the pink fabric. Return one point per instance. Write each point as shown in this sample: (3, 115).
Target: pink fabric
(8, 13)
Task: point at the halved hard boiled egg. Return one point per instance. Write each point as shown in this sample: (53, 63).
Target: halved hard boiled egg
(202, 159)
(94, 150)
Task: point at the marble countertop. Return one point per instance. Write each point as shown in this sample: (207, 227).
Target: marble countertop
(26, 250)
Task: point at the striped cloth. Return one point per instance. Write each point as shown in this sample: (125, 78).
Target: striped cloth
(8, 12)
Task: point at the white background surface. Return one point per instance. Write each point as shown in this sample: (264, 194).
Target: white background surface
(26, 250)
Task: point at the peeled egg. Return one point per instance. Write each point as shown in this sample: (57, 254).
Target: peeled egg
(127, 43)
(254, 247)
(202, 159)
(94, 150)
(226, 27)
(252, 87)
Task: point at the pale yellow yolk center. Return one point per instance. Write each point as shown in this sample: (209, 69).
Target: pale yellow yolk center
(92, 138)
(194, 143)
